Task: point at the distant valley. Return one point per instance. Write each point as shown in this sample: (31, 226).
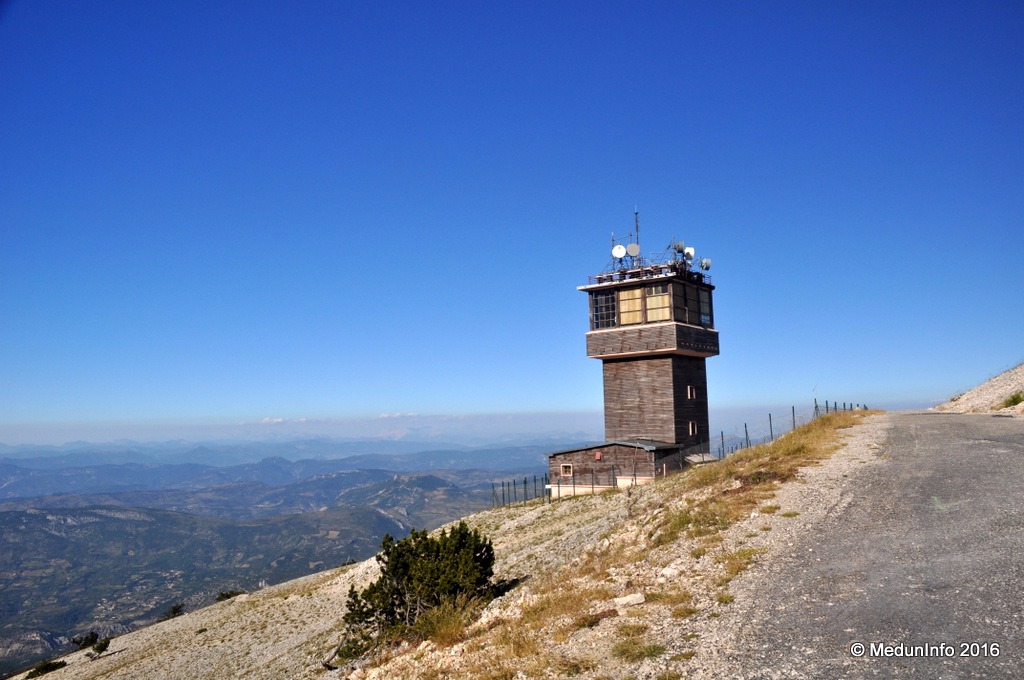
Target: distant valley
(111, 546)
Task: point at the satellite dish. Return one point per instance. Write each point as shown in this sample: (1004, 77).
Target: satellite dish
(705, 264)
(688, 253)
(679, 247)
(633, 249)
(619, 251)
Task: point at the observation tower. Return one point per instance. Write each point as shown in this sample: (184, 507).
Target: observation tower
(652, 325)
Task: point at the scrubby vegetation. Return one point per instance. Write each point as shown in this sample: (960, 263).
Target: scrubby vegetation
(44, 668)
(173, 612)
(98, 648)
(1013, 400)
(88, 640)
(429, 587)
(228, 594)
(631, 645)
(750, 477)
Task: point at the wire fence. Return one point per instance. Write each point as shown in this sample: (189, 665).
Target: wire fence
(540, 488)
(516, 491)
(776, 425)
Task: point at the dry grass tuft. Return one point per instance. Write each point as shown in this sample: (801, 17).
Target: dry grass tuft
(446, 624)
(670, 597)
(591, 620)
(571, 667)
(684, 611)
(631, 646)
(737, 561)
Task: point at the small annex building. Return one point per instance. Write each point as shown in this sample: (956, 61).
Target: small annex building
(652, 327)
(613, 464)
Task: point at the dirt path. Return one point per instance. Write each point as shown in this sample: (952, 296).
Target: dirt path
(912, 535)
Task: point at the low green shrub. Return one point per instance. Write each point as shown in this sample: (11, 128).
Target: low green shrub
(228, 594)
(418, 574)
(1013, 400)
(44, 668)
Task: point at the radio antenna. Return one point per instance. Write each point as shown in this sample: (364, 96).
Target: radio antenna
(636, 223)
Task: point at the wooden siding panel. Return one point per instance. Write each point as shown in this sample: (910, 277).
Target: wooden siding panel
(616, 461)
(647, 398)
(662, 338)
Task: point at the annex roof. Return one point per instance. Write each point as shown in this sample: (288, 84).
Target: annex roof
(645, 444)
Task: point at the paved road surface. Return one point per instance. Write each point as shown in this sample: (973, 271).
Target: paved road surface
(928, 551)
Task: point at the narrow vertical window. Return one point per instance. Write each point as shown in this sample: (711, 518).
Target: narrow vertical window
(631, 306)
(693, 428)
(690, 304)
(602, 309)
(691, 392)
(657, 302)
(705, 307)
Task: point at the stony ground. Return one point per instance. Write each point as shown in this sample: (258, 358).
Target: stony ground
(989, 396)
(674, 597)
(601, 596)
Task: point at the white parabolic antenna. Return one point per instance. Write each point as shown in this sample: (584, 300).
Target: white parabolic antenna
(688, 253)
(619, 251)
(705, 264)
(633, 249)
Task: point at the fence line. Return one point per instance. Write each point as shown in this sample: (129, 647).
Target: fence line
(796, 418)
(516, 491)
(506, 494)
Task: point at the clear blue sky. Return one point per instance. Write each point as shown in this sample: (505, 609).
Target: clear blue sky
(213, 212)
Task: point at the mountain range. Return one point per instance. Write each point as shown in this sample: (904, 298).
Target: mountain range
(92, 544)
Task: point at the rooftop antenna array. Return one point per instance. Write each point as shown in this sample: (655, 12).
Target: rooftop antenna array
(626, 253)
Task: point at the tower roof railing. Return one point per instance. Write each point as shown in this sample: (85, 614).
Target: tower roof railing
(648, 271)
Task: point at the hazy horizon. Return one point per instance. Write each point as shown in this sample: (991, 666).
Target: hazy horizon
(464, 430)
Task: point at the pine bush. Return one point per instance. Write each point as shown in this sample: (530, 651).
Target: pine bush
(417, 574)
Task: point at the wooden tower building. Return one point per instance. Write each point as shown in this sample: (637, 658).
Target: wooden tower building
(652, 326)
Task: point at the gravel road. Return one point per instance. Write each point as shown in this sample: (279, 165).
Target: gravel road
(912, 535)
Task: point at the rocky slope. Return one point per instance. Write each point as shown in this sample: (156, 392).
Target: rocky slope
(637, 584)
(990, 396)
